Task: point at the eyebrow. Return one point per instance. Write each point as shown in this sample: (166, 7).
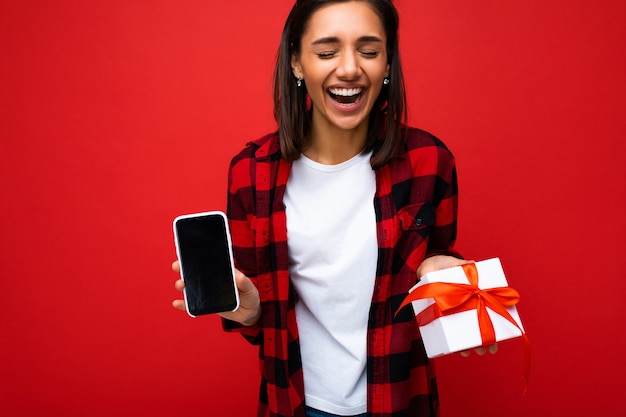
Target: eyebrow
(334, 39)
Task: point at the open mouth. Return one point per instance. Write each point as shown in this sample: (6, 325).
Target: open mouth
(345, 95)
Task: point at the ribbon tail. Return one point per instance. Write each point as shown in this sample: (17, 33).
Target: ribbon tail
(498, 308)
(432, 290)
(487, 331)
(407, 300)
(502, 311)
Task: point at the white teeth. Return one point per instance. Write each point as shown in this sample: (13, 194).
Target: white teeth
(345, 92)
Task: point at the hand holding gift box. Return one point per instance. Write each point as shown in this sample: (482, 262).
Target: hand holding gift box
(466, 307)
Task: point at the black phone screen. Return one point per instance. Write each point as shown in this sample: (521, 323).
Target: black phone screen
(203, 244)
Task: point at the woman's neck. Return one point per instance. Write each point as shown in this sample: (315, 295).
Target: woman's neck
(332, 146)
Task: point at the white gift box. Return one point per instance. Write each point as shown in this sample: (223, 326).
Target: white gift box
(461, 331)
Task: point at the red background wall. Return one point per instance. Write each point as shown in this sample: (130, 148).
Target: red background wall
(116, 116)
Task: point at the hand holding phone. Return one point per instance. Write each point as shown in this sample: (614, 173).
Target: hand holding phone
(249, 311)
(204, 250)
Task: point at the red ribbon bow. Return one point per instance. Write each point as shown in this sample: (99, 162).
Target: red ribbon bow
(455, 298)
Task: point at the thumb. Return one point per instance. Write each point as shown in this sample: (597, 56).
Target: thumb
(244, 284)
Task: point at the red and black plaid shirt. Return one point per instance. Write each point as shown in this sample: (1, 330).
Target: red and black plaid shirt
(415, 205)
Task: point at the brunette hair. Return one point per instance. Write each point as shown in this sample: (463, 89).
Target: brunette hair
(387, 117)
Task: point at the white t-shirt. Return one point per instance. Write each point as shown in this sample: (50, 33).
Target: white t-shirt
(333, 251)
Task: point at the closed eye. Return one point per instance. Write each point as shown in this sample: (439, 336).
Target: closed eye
(370, 54)
(326, 54)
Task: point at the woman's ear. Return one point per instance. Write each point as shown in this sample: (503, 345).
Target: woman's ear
(296, 68)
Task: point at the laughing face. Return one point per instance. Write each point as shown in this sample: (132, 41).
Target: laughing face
(343, 62)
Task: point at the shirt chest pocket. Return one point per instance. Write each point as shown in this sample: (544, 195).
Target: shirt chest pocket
(418, 217)
(415, 223)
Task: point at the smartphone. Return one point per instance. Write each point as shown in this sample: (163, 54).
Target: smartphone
(204, 249)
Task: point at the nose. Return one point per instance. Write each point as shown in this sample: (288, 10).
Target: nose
(348, 66)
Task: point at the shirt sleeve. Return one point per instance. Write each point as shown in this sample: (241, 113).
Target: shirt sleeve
(240, 211)
(443, 235)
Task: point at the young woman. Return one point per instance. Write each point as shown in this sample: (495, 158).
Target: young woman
(334, 218)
